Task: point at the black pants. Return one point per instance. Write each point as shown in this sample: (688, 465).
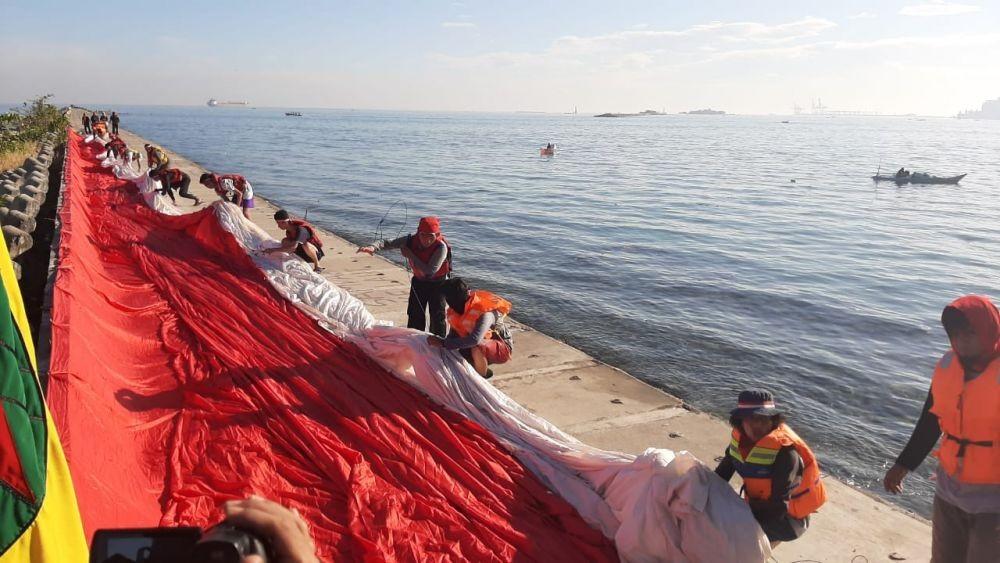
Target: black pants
(182, 188)
(87, 129)
(427, 295)
(114, 127)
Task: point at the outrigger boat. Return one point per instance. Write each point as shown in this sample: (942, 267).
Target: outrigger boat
(918, 178)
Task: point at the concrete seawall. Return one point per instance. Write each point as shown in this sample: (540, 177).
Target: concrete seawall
(604, 406)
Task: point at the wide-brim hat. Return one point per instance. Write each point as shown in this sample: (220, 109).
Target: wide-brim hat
(753, 402)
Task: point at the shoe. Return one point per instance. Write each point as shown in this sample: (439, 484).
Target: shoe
(489, 373)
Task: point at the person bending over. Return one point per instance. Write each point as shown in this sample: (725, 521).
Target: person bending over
(300, 239)
(175, 178)
(477, 325)
(230, 187)
(156, 159)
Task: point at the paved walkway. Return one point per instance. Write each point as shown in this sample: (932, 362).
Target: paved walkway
(606, 407)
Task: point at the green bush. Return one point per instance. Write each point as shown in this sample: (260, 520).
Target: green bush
(30, 124)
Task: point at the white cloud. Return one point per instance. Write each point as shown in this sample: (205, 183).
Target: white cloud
(940, 41)
(863, 16)
(459, 25)
(938, 8)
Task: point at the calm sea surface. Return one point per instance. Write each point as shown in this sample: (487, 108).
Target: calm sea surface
(704, 254)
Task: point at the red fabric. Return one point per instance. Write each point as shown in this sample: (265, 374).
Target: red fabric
(181, 379)
(984, 318)
(11, 470)
(494, 350)
(429, 225)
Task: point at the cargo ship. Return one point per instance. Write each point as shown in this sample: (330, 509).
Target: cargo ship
(214, 103)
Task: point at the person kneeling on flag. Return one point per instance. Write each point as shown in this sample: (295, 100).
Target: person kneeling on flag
(300, 239)
(478, 330)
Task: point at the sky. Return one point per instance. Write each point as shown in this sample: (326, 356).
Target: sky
(930, 57)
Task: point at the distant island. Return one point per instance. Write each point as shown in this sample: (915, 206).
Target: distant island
(708, 111)
(991, 110)
(643, 112)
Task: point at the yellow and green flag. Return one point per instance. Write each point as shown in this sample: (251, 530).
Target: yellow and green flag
(39, 518)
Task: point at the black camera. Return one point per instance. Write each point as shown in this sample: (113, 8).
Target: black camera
(224, 543)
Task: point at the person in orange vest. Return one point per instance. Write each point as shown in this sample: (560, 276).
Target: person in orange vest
(478, 330)
(780, 474)
(963, 405)
(116, 147)
(175, 179)
(300, 239)
(429, 256)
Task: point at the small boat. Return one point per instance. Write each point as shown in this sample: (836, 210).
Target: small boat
(918, 178)
(293, 114)
(545, 151)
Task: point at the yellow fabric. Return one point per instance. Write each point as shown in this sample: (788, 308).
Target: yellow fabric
(56, 535)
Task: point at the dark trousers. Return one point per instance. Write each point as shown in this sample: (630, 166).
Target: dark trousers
(960, 537)
(426, 295)
(182, 188)
(114, 127)
(86, 128)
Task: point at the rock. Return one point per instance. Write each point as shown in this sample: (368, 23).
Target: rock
(19, 172)
(8, 187)
(575, 378)
(39, 176)
(33, 162)
(36, 193)
(19, 220)
(617, 401)
(18, 241)
(896, 557)
(17, 269)
(675, 435)
(25, 204)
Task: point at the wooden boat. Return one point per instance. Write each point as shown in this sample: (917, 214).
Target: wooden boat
(547, 152)
(918, 178)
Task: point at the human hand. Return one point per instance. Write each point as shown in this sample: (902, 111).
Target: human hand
(435, 341)
(284, 529)
(893, 480)
(369, 250)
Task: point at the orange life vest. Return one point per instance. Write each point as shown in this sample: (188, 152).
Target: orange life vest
(969, 415)
(425, 254)
(479, 302)
(297, 224)
(757, 467)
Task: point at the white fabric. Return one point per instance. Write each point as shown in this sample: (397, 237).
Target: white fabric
(659, 506)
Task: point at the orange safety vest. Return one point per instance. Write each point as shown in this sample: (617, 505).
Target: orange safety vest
(756, 470)
(297, 224)
(969, 415)
(479, 302)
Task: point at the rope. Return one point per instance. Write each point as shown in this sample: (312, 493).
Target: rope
(380, 236)
(379, 230)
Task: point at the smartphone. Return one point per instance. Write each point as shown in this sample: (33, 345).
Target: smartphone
(143, 545)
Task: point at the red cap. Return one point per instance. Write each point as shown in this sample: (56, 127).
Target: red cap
(429, 225)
